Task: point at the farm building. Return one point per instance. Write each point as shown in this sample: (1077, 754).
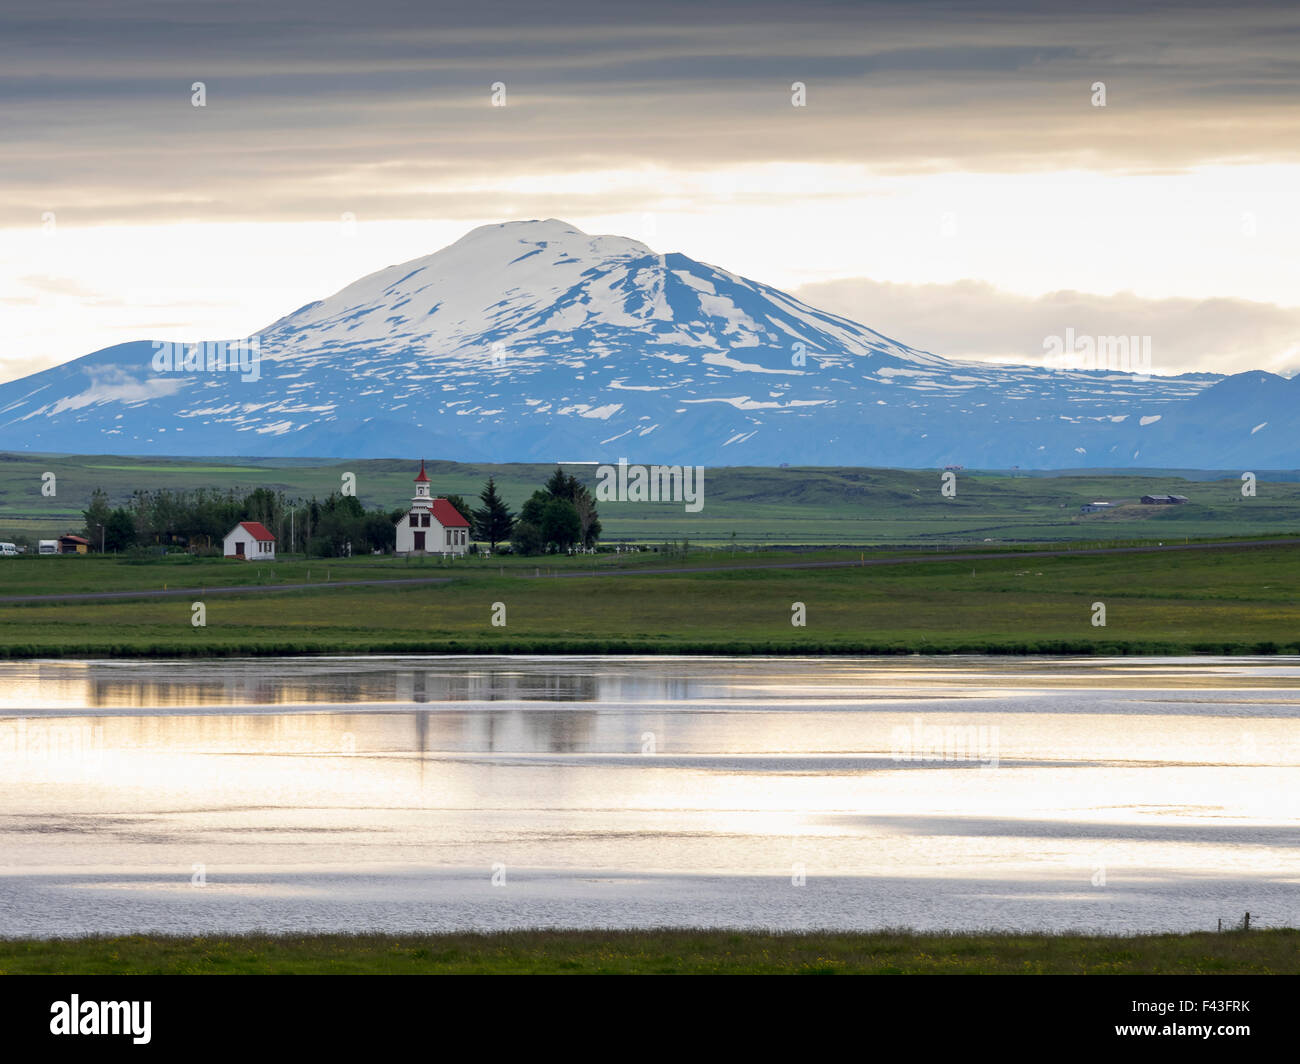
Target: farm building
(1095, 507)
(250, 541)
(73, 545)
(432, 525)
(1163, 500)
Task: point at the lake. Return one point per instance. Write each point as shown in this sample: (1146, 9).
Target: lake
(444, 793)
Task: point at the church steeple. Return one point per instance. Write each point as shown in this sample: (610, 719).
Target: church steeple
(421, 486)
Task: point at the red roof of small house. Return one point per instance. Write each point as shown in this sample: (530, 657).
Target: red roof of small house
(74, 539)
(448, 516)
(257, 530)
(423, 478)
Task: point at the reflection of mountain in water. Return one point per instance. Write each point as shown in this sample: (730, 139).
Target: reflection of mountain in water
(234, 683)
(422, 733)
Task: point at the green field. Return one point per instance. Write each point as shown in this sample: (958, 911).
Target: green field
(1237, 599)
(1172, 602)
(758, 505)
(662, 952)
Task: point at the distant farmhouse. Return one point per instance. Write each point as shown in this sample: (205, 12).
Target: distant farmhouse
(249, 540)
(70, 544)
(1163, 500)
(432, 525)
(1095, 507)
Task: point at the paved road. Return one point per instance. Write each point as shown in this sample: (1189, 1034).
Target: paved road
(93, 596)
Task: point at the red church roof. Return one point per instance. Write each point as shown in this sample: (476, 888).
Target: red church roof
(257, 530)
(447, 515)
(423, 477)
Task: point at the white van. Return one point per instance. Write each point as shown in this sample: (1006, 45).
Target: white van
(8, 550)
(47, 546)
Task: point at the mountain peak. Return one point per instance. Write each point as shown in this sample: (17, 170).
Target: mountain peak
(527, 263)
(525, 226)
(545, 233)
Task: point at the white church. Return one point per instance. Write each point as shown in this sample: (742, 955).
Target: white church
(431, 526)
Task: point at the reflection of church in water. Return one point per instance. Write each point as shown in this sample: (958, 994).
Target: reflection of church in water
(493, 685)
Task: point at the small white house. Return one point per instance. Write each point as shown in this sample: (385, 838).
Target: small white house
(1095, 507)
(431, 526)
(250, 541)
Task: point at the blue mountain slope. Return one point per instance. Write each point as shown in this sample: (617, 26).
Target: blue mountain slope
(534, 341)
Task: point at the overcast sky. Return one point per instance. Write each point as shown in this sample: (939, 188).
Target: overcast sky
(950, 181)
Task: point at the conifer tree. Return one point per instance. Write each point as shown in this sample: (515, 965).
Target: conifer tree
(493, 522)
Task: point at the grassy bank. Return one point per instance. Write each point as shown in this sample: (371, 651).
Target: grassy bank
(1214, 601)
(663, 952)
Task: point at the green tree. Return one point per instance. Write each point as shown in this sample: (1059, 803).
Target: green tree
(529, 535)
(262, 505)
(560, 523)
(526, 538)
(119, 530)
(380, 530)
(493, 521)
(554, 520)
(561, 485)
(339, 528)
(588, 521)
(532, 509)
(96, 514)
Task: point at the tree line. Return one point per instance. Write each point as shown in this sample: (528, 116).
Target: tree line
(199, 519)
(559, 516)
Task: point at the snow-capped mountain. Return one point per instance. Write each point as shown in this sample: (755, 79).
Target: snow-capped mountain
(534, 341)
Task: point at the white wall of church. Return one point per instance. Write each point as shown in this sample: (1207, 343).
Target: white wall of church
(437, 539)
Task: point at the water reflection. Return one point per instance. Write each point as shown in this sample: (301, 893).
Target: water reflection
(320, 681)
(435, 680)
(373, 792)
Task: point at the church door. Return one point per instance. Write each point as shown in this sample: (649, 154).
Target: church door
(419, 541)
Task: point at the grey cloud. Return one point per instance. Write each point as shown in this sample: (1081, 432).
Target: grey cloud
(94, 98)
(973, 319)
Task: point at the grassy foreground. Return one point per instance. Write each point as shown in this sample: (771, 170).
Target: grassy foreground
(662, 952)
(1238, 599)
